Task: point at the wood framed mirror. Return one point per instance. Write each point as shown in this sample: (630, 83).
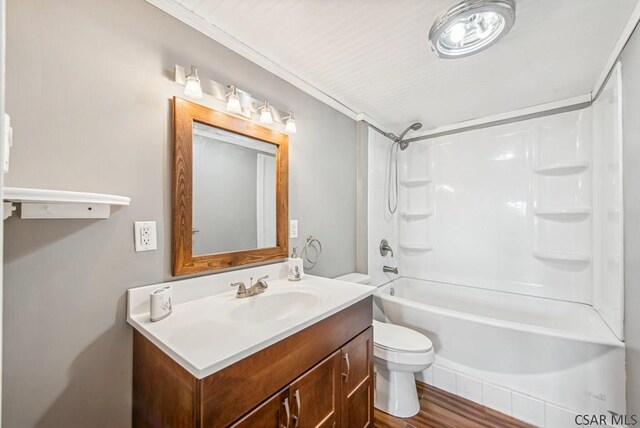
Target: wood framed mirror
(230, 191)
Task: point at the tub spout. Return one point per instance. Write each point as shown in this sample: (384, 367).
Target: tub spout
(389, 269)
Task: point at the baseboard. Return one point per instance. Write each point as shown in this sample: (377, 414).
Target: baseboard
(512, 403)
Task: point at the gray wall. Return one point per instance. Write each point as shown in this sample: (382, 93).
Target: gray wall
(631, 135)
(88, 89)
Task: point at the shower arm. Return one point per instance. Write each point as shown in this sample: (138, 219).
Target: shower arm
(395, 138)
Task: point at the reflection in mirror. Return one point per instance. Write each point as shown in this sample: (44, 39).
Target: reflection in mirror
(234, 191)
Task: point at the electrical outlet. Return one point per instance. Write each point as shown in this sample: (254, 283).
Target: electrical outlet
(145, 235)
(293, 229)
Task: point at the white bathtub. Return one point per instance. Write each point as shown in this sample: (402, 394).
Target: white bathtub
(556, 351)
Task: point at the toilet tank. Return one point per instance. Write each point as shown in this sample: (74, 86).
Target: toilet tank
(359, 278)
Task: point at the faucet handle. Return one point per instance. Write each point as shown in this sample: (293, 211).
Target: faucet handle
(242, 289)
(262, 281)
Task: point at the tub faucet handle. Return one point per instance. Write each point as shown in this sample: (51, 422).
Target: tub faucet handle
(385, 248)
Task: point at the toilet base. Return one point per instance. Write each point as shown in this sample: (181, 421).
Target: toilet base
(396, 393)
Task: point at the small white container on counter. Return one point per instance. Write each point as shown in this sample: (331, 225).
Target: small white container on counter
(296, 268)
(160, 302)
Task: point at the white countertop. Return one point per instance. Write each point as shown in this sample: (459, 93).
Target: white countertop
(211, 329)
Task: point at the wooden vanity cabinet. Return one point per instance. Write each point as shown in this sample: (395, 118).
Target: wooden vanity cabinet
(319, 377)
(315, 396)
(275, 412)
(336, 392)
(357, 382)
(313, 400)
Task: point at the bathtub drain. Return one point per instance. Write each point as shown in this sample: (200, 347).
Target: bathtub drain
(392, 291)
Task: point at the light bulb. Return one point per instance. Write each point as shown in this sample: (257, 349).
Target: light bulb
(193, 88)
(290, 127)
(458, 31)
(265, 116)
(233, 101)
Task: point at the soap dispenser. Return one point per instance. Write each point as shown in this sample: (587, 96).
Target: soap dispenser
(296, 269)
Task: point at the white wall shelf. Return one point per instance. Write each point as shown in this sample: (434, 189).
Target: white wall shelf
(416, 246)
(564, 214)
(414, 182)
(58, 204)
(415, 215)
(563, 168)
(563, 257)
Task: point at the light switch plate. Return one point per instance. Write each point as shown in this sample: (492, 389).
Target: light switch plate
(293, 228)
(145, 235)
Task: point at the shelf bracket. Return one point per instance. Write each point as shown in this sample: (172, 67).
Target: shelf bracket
(8, 209)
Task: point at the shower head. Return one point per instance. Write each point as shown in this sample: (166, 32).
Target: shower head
(413, 127)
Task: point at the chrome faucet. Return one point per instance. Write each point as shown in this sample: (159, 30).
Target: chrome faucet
(389, 269)
(257, 288)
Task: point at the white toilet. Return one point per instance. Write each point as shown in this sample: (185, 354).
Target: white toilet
(398, 353)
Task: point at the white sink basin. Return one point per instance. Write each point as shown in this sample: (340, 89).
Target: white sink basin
(210, 328)
(265, 307)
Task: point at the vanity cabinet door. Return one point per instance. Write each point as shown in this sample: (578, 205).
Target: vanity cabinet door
(357, 381)
(273, 413)
(315, 396)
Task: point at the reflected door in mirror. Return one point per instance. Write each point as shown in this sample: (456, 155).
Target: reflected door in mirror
(234, 191)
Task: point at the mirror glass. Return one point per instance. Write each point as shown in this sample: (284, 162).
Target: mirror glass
(234, 191)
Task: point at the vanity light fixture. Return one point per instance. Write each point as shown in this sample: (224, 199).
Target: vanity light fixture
(290, 126)
(193, 89)
(233, 101)
(265, 115)
(471, 26)
(236, 100)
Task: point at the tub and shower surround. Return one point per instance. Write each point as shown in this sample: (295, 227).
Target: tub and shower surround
(530, 209)
(506, 208)
(557, 355)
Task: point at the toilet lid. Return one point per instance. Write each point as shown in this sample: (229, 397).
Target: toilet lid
(398, 338)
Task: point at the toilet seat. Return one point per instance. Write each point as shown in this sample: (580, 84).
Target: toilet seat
(399, 339)
(401, 345)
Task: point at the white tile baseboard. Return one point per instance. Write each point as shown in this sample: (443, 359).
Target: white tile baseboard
(504, 400)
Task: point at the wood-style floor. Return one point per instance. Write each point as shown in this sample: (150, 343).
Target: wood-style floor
(440, 409)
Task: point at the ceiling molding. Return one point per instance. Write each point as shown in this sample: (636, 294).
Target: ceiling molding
(198, 23)
(582, 100)
(634, 18)
(371, 121)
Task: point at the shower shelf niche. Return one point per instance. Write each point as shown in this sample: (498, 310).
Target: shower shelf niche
(563, 257)
(414, 182)
(563, 168)
(416, 246)
(59, 204)
(564, 214)
(415, 215)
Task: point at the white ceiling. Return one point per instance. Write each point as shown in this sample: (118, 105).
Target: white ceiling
(373, 57)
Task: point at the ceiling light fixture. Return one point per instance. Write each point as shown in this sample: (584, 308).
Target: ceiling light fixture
(233, 101)
(290, 126)
(193, 89)
(471, 26)
(265, 115)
